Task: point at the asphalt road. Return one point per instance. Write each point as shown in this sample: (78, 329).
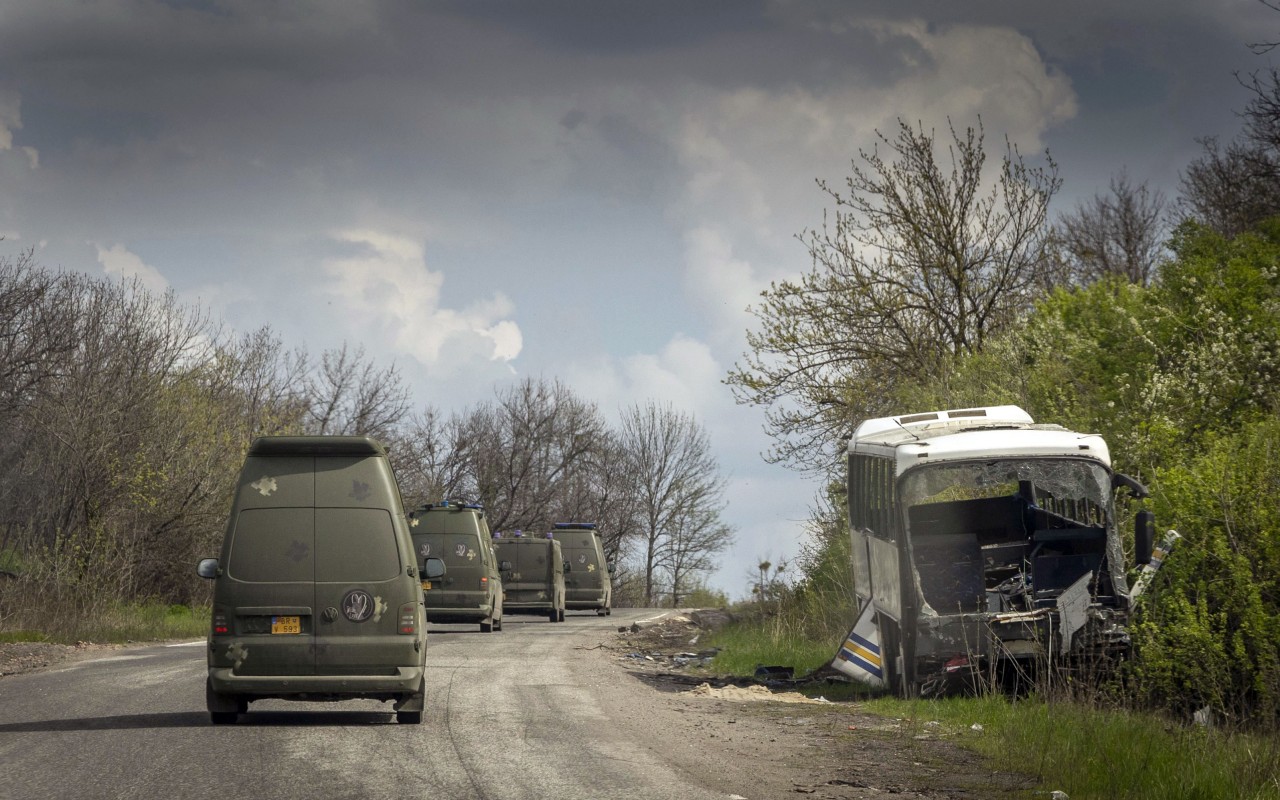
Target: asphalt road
(534, 711)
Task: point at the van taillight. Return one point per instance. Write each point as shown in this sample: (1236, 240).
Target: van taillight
(484, 581)
(409, 619)
(220, 623)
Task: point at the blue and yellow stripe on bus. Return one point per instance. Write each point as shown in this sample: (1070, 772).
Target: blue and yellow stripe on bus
(862, 653)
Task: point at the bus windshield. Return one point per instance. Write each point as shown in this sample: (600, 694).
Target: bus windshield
(1078, 490)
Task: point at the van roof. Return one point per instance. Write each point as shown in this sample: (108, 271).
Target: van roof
(316, 446)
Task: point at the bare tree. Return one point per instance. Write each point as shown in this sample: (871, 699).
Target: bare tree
(919, 266)
(429, 454)
(1231, 189)
(692, 550)
(349, 395)
(1118, 234)
(36, 335)
(525, 448)
(680, 495)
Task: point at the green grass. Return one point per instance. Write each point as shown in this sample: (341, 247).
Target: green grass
(108, 622)
(745, 646)
(1086, 752)
(1109, 755)
(9, 637)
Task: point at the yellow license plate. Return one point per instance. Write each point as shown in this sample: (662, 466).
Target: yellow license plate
(426, 585)
(286, 624)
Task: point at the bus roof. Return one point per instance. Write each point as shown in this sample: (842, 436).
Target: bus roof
(972, 433)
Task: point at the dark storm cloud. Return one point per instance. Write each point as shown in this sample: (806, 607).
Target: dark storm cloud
(620, 27)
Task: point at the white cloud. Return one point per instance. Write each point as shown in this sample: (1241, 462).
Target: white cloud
(117, 262)
(33, 156)
(684, 374)
(388, 285)
(751, 155)
(725, 283)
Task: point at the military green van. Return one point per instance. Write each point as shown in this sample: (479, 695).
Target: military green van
(532, 575)
(458, 534)
(587, 585)
(316, 594)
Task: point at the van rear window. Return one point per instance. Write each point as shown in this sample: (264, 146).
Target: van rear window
(355, 545)
(273, 545)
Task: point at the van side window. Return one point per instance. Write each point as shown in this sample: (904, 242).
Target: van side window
(273, 544)
(355, 545)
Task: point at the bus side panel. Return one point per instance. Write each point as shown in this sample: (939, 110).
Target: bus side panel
(861, 565)
(886, 582)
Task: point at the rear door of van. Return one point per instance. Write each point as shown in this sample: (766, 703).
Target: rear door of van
(362, 569)
(271, 568)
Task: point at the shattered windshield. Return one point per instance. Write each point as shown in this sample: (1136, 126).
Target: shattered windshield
(1078, 489)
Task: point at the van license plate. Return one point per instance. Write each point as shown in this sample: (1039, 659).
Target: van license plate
(426, 585)
(286, 625)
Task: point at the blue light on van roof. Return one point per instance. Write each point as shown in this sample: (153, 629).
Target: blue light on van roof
(581, 526)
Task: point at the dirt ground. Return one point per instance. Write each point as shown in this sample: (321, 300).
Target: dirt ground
(19, 657)
(797, 745)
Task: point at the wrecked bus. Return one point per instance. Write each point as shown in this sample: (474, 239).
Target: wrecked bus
(984, 544)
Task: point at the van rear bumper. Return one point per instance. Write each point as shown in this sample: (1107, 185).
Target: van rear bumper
(456, 614)
(407, 680)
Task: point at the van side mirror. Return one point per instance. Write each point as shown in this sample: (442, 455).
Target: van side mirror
(567, 567)
(208, 568)
(504, 565)
(609, 566)
(433, 568)
(1144, 536)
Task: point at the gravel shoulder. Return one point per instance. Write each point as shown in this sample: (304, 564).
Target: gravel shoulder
(748, 741)
(19, 657)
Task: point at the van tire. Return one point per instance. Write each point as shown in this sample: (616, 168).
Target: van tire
(560, 615)
(223, 708)
(409, 717)
(553, 615)
(487, 626)
(497, 624)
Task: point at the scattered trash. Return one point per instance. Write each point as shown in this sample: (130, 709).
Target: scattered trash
(1057, 795)
(766, 674)
(977, 726)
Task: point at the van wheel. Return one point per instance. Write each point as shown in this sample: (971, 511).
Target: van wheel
(497, 624)
(409, 717)
(486, 626)
(553, 615)
(560, 616)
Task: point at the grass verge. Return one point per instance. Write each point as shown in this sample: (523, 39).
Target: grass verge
(1083, 751)
(746, 645)
(113, 622)
(1111, 754)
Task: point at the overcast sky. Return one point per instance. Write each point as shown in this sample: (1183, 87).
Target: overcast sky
(482, 191)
